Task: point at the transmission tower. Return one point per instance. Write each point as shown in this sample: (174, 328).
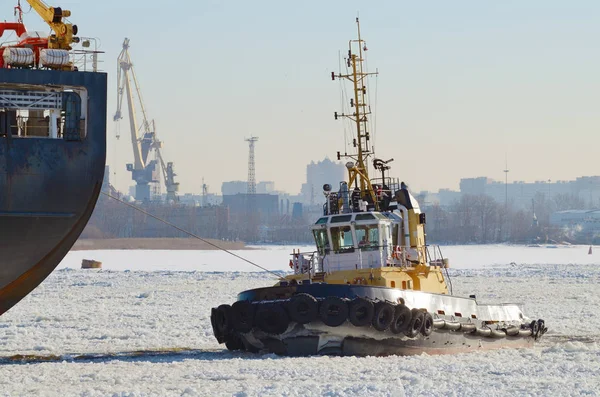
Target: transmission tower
(251, 177)
(204, 192)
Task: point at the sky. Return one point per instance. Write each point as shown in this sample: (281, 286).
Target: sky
(463, 86)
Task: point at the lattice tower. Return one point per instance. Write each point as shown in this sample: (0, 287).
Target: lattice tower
(251, 175)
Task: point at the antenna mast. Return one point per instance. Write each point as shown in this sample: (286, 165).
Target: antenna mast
(251, 177)
(358, 171)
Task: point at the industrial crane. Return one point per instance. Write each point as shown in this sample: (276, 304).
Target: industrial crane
(64, 33)
(168, 175)
(52, 51)
(143, 170)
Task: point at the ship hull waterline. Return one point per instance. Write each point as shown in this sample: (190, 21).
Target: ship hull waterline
(339, 343)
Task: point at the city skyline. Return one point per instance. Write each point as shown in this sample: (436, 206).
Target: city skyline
(587, 183)
(460, 87)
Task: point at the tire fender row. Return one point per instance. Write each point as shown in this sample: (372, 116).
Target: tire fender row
(274, 317)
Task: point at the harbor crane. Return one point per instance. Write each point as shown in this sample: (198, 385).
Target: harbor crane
(64, 33)
(143, 170)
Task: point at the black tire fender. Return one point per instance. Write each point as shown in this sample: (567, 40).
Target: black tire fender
(271, 318)
(535, 329)
(242, 316)
(220, 336)
(416, 323)
(333, 311)
(303, 308)
(427, 327)
(234, 343)
(383, 316)
(402, 317)
(222, 322)
(360, 312)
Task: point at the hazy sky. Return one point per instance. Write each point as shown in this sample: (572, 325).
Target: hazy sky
(461, 85)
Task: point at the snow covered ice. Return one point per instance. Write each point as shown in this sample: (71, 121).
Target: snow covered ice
(92, 324)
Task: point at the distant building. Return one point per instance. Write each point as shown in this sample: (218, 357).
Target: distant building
(241, 187)
(199, 200)
(265, 187)
(474, 186)
(520, 193)
(297, 211)
(267, 205)
(234, 187)
(447, 196)
(318, 174)
(577, 223)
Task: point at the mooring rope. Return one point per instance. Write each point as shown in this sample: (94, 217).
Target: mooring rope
(190, 234)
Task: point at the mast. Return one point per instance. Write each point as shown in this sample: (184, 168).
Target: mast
(358, 171)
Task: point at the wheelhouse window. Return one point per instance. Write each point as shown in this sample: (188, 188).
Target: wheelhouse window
(341, 218)
(368, 237)
(341, 239)
(322, 241)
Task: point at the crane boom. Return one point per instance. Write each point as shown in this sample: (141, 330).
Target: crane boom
(124, 85)
(64, 33)
(169, 176)
(143, 169)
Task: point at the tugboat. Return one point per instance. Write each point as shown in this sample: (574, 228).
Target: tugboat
(52, 149)
(373, 287)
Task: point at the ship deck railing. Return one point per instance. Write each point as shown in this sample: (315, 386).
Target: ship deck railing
(392, 184)
(437, 259)
(86, 60)
(303, 265)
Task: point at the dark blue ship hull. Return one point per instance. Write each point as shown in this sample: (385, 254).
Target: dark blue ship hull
(48, 187)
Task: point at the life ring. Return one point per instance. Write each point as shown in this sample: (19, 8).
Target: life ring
(303, 308)
(360, 312)
(416, 323)
(360, 281)
(402, 317)
(333, 311)
(397, 253)
(272, 319)
(383, 316)
(242, 316)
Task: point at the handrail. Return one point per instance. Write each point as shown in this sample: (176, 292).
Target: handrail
(437, 248)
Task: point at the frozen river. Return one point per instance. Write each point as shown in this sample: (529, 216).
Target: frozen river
(141, 327)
